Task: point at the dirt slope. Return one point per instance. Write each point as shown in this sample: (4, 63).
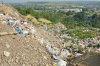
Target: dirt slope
(24, 51)
(9, 10)
(16, 50)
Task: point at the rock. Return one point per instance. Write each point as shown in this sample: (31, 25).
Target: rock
(7, 45)
(23, 65)
(7, 54)
(45, 57)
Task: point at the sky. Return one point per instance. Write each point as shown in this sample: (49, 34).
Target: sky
(10, 1)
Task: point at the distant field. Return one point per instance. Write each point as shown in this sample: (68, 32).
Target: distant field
(54, 4)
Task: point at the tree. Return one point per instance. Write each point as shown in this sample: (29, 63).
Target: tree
(95, 20)
(81, 17)
(70, 13)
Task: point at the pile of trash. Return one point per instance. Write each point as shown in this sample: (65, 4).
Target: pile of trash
(60, 56)
(24, 28)
(21, 27)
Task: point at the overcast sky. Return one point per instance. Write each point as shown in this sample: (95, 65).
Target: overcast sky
(43, 0)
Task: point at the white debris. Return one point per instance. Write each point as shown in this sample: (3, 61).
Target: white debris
(25, 32)
(78, 54)
(41, 40)
(64, 53)
(1, 14)
(53, 50)
(7, 54)
(32, 30)
(17, 22)
(10, 22)
(60, 62)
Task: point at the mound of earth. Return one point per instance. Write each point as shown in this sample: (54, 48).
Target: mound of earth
(21, 51)
(9, 10)
(16, 50)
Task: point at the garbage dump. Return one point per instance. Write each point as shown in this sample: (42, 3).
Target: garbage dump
(57, 55)
(24, 29)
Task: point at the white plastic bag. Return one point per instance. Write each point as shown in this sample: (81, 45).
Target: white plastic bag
(60, 62)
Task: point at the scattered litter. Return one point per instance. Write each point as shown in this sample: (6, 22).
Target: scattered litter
(16, 23)
(10, 22)
(19, 30)
(53, 50)
(78, 54)
(25, 32)
(60, 62)
(1, 14)
(64, 53)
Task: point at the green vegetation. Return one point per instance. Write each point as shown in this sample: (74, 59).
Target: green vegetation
(81, 33)
(50, 15)
(97, 45)
(70, 19)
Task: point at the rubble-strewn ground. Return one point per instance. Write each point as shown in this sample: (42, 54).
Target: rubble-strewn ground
(21, 51)
(35, 49)
(16, 50)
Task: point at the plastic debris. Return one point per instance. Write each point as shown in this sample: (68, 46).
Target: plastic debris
(19, 30)
(16, 23)
(60, 62)
(53, 50)
(64, 53)
(25, 33)
(1, 14)
(78, 54)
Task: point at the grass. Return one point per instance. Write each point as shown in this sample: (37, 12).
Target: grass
(81, 33)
